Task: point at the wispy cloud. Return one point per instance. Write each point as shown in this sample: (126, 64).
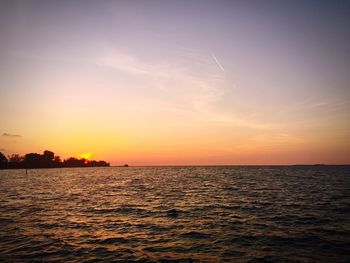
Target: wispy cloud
(177, 81)
(194, 88)
(5, 134)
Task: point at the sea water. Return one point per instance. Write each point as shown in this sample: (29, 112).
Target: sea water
(176, 214)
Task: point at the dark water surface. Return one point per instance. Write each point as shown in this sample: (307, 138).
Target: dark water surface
(184, 214)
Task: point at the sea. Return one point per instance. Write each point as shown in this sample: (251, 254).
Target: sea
(176, 214)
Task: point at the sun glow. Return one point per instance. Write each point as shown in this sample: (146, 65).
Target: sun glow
(86, 155)
(184, 96)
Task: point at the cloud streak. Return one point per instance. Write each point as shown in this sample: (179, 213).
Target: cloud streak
(198, 95)
(5, 134)
(217, 62)
(177, 82)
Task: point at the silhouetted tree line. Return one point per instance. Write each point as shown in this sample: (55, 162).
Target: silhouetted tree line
(46, 160)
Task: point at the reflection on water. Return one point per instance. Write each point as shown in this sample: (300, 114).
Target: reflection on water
(184, 214)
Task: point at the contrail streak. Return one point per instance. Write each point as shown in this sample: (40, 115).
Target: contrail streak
(217, 62)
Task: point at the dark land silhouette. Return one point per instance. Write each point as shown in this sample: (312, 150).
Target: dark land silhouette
(46, 160)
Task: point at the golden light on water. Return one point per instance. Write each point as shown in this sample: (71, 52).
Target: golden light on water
(204, 131)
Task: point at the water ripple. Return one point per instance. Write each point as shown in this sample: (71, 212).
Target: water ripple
(176, 214)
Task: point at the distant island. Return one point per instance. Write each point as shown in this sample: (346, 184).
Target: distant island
(46, 160)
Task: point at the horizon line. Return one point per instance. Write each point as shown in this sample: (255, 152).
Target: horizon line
(225, 165)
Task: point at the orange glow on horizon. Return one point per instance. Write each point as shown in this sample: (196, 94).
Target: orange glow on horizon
(86, 156)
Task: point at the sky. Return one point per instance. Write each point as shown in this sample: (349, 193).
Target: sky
(177, 82)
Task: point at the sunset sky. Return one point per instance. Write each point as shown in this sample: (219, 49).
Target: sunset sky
(177, 82)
